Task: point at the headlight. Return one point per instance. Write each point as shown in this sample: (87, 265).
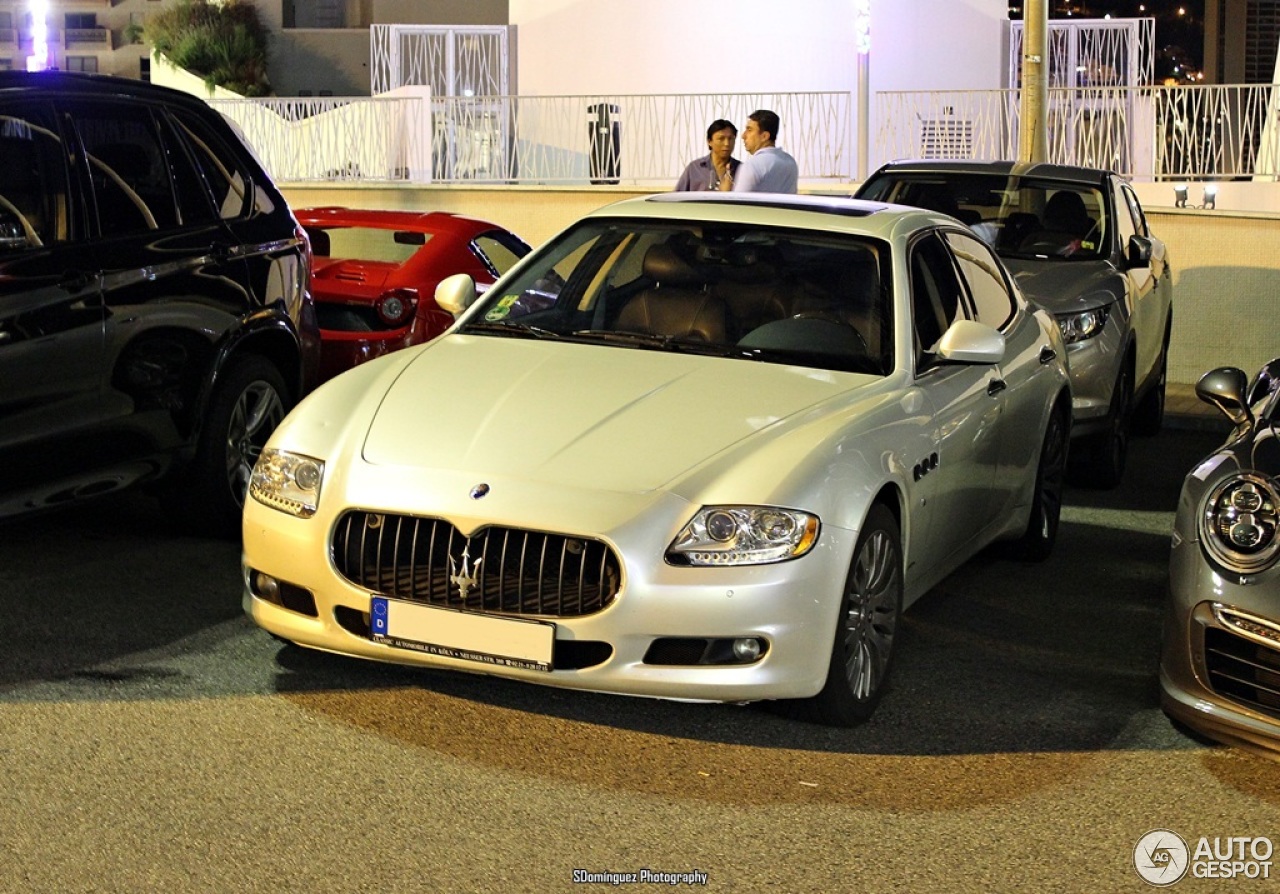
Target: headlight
(289, 482)
(1238, 524)
(1083, 325)
(743, 535)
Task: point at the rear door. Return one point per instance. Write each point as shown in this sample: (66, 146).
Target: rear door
(51, 313)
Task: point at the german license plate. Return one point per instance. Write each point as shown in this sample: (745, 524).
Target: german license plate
(503, 642)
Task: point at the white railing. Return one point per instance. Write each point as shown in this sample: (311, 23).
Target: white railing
(642, 140)
(1160, 133)
(328, 138)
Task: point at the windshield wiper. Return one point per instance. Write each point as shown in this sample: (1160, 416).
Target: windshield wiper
(662, 342)
(519, 330)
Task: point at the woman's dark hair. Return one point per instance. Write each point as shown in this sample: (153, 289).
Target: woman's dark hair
(718, 125)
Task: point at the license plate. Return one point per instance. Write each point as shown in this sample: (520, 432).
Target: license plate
(503, 642)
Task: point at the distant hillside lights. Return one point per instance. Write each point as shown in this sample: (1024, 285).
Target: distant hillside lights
(39, 58)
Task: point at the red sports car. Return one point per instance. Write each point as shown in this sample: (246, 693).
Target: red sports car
(374, 274)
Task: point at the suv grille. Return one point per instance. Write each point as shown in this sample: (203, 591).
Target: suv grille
(496, 570)
(1243, 670)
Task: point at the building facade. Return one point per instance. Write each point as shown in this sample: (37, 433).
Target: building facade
(1240, 41)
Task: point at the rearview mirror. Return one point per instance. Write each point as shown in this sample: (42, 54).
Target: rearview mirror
(456, 293)
(967, 341)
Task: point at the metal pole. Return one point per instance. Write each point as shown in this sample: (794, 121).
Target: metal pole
(862, 39)
(1033, 130)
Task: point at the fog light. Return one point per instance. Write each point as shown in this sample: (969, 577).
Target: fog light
(746, 649)
(267, 587)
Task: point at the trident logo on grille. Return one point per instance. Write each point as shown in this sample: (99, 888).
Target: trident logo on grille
(470, 574)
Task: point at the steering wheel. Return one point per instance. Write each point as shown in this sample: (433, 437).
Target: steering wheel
(827, 316)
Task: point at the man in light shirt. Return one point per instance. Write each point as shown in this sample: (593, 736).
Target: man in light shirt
(768, 169)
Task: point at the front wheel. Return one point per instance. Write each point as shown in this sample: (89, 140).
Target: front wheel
(247, 404)
(1148, 418)
(870, 605)
(1046, 506)
(1104, 463)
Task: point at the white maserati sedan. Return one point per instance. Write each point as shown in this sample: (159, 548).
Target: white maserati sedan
(697, 447)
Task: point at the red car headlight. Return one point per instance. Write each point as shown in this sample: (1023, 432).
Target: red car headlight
(396, 307)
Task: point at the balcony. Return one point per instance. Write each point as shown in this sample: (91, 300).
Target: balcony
(78, 36)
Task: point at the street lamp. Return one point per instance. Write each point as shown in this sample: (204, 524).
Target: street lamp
(39, 58)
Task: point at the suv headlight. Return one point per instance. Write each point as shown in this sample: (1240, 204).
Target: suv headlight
(743, 535)
(289, 482)
(1083, 325)
(1238, 524)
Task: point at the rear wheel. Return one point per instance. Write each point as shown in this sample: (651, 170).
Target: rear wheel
(1149, 415)
(1104, 462)
(870, 605)
(248, 403)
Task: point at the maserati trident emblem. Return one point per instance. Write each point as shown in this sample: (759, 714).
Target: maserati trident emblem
(479, 492)
(468, 577)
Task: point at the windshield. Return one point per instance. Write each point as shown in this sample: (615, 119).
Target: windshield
(1019, 217)
(748, 292)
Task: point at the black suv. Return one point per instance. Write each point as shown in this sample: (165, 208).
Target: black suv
(155, 319)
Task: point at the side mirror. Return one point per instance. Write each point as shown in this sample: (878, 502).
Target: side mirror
(1224, 387)
(456, 293)
(1266, 382)
(1139, 251)
(966, 341)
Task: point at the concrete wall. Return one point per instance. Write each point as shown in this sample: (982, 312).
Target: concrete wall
(1226, 264)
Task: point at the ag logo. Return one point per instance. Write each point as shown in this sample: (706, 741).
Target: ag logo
(1161, 857)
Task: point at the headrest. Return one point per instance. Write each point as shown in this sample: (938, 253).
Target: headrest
(663, 264)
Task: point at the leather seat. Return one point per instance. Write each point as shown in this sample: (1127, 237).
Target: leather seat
(678, 305)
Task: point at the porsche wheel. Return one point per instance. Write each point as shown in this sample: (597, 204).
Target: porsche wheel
(862, 654)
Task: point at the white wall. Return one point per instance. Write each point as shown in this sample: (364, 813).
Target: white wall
(574, 47)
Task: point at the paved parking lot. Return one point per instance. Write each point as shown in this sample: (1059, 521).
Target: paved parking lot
(153, 740)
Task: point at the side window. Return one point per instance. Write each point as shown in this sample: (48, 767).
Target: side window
(229, 182)
(497, 253)
(194, 205)
(935, 292)
(127, 167)
(992, 302)
(35, 204)
(1126, 225)
(1135, 208)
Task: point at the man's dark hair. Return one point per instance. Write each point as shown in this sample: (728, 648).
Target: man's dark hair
(767, 121)
(718, 125)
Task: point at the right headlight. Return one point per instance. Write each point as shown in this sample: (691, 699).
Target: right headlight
(289, 482)
(1238, 523)
(1083, 325)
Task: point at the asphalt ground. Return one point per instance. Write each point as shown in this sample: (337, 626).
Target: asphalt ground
(153, 740)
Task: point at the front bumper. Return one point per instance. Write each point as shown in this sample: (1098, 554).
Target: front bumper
(791, 607)
(1094, 365)
(1220, 663)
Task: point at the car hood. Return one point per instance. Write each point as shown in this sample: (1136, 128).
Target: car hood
(1067, 286)
(580, 415)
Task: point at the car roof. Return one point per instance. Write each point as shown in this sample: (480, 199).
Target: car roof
(98, 85)
(1039, 170)
(810, 212)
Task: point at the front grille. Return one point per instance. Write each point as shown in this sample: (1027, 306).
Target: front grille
(1243, 670)
(496, 570)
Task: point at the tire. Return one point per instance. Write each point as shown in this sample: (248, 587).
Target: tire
(870, 606)
(1046, 507)
(248, 402)
(1104, 463)
(1148, 418)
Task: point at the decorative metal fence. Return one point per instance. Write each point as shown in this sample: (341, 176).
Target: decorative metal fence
(1146, 133)
(414, 136)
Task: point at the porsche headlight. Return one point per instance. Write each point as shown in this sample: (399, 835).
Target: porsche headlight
(1238, 524)
(288, 482)
(1084, 325)
(743, 535)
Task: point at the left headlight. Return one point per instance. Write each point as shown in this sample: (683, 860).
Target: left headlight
(289, 482)
(1084, 325)
(744, 535)
(1238, 523)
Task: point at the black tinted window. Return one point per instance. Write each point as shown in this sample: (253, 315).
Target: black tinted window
(127, 167)
(35, 209)
(935, 291)
(221, 170)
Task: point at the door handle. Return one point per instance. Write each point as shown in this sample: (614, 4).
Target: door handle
(77, 280)
(1047, 355)
(995, 386)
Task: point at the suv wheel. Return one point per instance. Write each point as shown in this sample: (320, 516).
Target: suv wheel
(248, 403)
